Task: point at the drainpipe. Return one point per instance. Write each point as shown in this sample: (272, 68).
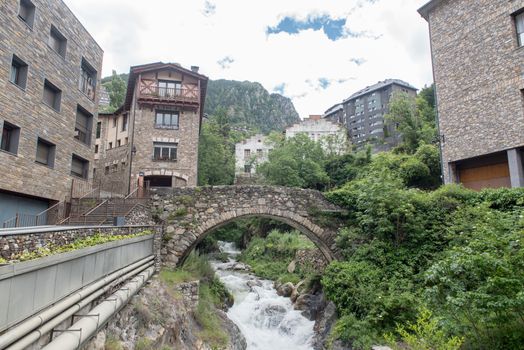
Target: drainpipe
(133, 135)
(81, 331)
(43, 317)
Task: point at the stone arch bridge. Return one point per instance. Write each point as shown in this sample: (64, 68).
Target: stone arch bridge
(191, 213)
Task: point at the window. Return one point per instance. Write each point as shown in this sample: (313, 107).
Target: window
(110, 145)
(126, 140)
(27, 12)
(114, 168)
(166, 119)
(18, 72)
(57, 41)
(168, 88)
(165, 151)
(84, 122)
(124, 123)
(106, 170)
(260, 153)
(247, 168)
(52, 95)
(519, 21)
(45, 152)
(96, 149)
(98, 129)
(10, 138)
(115, 122)
(118, 143)
(87, 81)
(79, 166)
(247, 153)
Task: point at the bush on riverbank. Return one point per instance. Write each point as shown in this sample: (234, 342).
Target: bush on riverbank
(269, 257)
(453, 251)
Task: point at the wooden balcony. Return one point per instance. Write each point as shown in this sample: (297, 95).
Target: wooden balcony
(187, 94)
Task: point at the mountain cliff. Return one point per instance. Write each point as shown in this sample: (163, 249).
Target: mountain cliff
(249, 104)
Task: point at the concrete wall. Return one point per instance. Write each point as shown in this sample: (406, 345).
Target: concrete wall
(31, 286)
(479, 75)
(24, 107)
(253, 144)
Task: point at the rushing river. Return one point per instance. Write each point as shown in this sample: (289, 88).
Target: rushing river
(267, 320)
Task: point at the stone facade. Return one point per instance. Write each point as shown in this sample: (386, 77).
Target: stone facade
(25, 45)
(479, 75)
(163, 110)
(192, 213)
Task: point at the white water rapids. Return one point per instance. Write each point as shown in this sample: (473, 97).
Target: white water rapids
(267, 320)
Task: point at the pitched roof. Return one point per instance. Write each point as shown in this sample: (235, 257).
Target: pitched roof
(134, 71)
(380, 85)
(426, 9)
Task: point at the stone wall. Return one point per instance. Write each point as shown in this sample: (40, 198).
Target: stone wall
(24, 108)
(479, 75)
(191, 213)
(15, 243)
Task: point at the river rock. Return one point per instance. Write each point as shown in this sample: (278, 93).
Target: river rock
(292, 266)
(240, 267)
(237, 341)
(311, 305)
(254, 283)
(323, 324)
(286, 289)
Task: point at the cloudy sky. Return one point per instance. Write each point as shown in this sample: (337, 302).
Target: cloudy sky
(317, 52)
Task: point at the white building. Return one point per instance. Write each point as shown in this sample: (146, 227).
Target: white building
(250, 153)
(333, 136)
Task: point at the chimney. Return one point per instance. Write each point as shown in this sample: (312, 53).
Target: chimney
(195, 69)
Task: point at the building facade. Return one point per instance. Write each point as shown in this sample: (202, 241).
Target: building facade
(250, 153)
(364, 111)
(332, 136)
(336, 114)
(154, 136)
(49, 76)
(478, 66)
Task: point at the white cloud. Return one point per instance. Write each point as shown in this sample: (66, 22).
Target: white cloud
(205, 32)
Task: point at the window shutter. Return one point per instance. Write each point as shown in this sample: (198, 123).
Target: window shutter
(42, 153)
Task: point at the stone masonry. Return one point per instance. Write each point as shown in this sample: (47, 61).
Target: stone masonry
(24, 108)
(192, 213)
(479, 75)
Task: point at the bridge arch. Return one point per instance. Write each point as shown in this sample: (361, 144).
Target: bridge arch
(193, 213)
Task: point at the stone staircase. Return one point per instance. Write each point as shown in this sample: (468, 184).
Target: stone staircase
(105, 211)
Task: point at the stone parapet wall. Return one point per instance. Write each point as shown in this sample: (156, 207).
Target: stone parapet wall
(13, 243)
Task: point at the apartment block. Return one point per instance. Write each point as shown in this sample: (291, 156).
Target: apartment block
(331, 135)
(364, 111)
(153, 138)
(250, 153)
(49, 76)
(478, 64)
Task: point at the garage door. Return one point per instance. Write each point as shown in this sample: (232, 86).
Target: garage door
(487, 176)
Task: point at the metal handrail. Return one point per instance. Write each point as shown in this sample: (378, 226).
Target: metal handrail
(98, 206)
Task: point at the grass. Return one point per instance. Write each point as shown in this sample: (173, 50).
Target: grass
(75, 245)
(112, 343)
(212, 332)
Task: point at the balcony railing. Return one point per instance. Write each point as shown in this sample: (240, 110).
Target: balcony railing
(185, 93)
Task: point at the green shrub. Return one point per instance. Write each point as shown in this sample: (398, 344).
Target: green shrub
(112, 343)
(144, 344)
(212, 332)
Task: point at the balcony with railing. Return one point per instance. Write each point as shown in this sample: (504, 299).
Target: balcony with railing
(149, 90)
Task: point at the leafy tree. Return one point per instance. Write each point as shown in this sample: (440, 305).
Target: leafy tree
(116, 87)
(295, 162)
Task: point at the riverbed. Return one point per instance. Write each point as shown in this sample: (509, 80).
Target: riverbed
(267, 320)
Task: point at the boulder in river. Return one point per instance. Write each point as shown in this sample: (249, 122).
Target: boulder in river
(286, 289)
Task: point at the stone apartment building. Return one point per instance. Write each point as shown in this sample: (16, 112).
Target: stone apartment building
(251, 152)
(154, 136)
(363, 114)
(478, 66)
(332, 135)
(49, 76)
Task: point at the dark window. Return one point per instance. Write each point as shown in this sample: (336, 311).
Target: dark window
(87, 82)
(96, 148)
(52, 95)
(110, 145)
(260, 153)
(118, 143)
(10, 138)
(124, 123)
(79, 166)
(98, 129)
(519, 21)
(106, 170)
(247, 168)
(168, 88)
(45, 153)
(57, 41)
(27, 12)
(165, 151)
(83, 126)
(115, 122)
(247, 153)
(166, 119)
(18, 72)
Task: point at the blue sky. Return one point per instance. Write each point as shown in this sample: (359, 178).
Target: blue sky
(316, 52)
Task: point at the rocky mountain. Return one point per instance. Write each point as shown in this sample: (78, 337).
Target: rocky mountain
(249, 104)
